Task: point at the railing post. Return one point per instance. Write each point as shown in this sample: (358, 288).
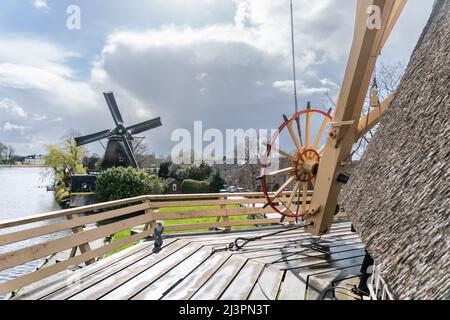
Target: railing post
(225, 218)
(151, 213)
(85, 247)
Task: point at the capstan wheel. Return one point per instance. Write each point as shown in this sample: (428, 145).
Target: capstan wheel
(291, 162)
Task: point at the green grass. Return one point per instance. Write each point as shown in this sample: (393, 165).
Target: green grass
(172, 222)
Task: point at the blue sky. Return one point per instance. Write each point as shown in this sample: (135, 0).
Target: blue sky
(225, 62)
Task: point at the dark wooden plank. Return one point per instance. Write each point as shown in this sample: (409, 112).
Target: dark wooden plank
(303, 262)
(135, 285)
(158, 288)
(224, 238)
(278, 252)
(268, 284)
(244, 282)
(217, 284)
(192, 283)
(106, 284)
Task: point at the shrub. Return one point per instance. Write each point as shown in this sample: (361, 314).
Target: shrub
(194, 186)
(121, 183)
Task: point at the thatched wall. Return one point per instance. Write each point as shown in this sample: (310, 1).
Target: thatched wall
(399, 196)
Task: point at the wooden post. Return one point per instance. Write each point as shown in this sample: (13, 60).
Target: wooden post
(223, 206)
(152, 221)
(85, 247)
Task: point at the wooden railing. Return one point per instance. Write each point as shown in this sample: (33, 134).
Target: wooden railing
(86, 224)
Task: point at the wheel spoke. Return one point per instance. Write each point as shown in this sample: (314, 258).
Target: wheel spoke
(293, 194)
(280, 172)
(308, 130)
(297, 143)
(284, 186)
(282, 152)
(304, 196)
(320, 133)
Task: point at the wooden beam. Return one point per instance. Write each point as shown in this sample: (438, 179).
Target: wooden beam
(366, 47)
(372, 119)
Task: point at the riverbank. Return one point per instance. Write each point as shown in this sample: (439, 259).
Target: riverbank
(22, 166)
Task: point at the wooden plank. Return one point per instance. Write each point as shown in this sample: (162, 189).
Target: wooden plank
(100, 265)
(267, 285)
(160, 287)
(106, 284)
(225, 212)
(63, 213)
(192, 283)
(217, 284)
(40, 274)
(129, 289)
(55, 227)
(242, 285)
(292, 288)
(205, 238)
(17, 257)
(195, 203)
(81, 282)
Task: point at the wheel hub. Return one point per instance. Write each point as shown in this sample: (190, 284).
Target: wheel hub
(306, 165)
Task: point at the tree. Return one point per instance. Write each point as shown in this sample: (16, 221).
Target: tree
(216, 182)
(65, 159)
(3, 149)
(164, 170)
(10, 152)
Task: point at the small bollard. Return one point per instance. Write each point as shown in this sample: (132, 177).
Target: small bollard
(157, 235)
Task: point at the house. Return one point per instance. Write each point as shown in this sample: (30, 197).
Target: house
(34, 160)
(174, 186)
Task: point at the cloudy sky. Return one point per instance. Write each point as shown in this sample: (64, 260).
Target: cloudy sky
(225, 62)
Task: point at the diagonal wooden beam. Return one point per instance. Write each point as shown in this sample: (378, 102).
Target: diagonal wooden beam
(372, 119)
(366, 47)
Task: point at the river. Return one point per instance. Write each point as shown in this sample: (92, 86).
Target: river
(23, 193)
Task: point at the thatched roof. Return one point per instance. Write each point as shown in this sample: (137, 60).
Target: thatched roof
(399, 196)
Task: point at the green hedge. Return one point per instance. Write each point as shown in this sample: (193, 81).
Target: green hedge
(194, 186)
(121, 183)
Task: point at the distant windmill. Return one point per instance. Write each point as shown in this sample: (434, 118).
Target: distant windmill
(119, 150)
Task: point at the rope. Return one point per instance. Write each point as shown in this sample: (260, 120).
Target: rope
(293, 58)
(241, 242)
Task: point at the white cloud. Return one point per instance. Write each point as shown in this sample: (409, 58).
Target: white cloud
(12, 107)
(329, 83)
(287, 86)
(41, 4)
(38, 117)
(8, 126)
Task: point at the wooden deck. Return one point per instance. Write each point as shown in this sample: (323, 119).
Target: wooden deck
(291, 265)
